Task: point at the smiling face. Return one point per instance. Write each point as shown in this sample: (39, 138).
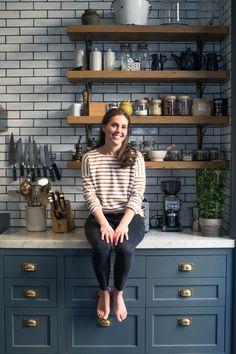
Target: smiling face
(116, 130)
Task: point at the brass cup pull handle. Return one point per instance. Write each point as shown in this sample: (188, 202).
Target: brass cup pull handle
(30, 267)
(185, 292)
(185, 267)
(30, 293)
(184, 321)
(30, 322)
(104, 323)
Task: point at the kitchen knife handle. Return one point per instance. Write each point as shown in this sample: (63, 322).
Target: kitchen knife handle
(51, 174)
(33, 177)
(14, 173)
(45, 171)
(39, 173)
(57, 173)
(22, 172)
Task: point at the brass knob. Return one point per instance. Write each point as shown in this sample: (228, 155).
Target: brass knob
(30, 293)
(104, 323)
(30, 322)
(184, 321)
(185, 267)
(185, 292)
(30, 267)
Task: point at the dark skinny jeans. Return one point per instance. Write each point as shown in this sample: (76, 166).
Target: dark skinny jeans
(101, 251)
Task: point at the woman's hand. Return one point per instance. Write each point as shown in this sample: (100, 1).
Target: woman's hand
(107, 233)
(121, 233)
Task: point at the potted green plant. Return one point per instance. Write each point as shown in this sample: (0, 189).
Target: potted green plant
(210, 200)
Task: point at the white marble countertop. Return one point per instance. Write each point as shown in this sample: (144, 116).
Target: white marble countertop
(21, 238)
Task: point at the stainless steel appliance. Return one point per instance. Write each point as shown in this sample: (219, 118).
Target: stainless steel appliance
(171, 218)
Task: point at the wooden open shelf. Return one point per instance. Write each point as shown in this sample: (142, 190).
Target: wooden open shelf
(152, 120)
(157, 33)
(165, 76)
(171, 164)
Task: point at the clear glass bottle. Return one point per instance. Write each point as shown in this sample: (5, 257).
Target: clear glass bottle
(125, 55)
(143, 56)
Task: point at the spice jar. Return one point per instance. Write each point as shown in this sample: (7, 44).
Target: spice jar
(154, 107)
(201, 155)
(214, 154)
(187, 155)
(140, 107)
(184, 106)
(169, 105)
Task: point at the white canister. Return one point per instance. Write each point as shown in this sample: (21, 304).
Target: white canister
(80, 58)
(75, 109)
(35, 218)
(95, 60)
(109, 60)
(131, 12)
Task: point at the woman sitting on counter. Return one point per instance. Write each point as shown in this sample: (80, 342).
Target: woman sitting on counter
(113, 176)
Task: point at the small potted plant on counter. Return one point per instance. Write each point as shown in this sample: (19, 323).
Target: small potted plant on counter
(210, 200)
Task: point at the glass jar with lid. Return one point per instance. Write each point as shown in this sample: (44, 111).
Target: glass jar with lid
(184, 104)
(154, 107)
(143, 56)
(141, 107)
(148, 145)
(170, 105)
(125, 55)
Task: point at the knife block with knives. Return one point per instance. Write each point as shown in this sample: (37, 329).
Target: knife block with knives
(62, 224)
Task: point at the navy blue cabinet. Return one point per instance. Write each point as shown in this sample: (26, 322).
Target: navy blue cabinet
(179, 301)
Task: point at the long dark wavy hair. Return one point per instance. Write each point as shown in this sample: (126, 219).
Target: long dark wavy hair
(126, 155)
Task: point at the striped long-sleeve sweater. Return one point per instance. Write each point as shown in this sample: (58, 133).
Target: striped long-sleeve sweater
(107, 184)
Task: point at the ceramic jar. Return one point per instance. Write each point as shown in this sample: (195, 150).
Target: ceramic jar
(90, 17)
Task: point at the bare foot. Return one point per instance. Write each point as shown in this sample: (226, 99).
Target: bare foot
(120, 310)
(103, 307)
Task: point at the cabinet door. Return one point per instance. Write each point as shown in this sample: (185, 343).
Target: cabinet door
(81, 267)
(185, 292)
(185, 330)
(84, 293)
(31, 331)
(30, 292)
(187, 266)
(85, 336)
(30, 266)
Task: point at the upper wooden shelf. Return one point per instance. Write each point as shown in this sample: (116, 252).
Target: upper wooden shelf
(151, 120)
(155, 33)
(180, 76)
(171, 164)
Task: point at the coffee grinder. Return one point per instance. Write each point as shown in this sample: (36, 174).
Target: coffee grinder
(171, 202)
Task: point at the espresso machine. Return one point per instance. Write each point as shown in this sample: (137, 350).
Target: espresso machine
(171, 218)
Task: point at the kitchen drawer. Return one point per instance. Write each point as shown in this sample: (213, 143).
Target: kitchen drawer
(84, 293)
(185, 292)
(31, 331)
(30, 292)
(81, 267)
(30, 266)
(186, 330)
(85, 336)
(206, 266)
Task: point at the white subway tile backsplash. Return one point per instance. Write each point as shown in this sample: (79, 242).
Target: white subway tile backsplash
(36, 52)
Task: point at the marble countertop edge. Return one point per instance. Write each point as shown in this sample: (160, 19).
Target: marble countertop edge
(21, 238)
